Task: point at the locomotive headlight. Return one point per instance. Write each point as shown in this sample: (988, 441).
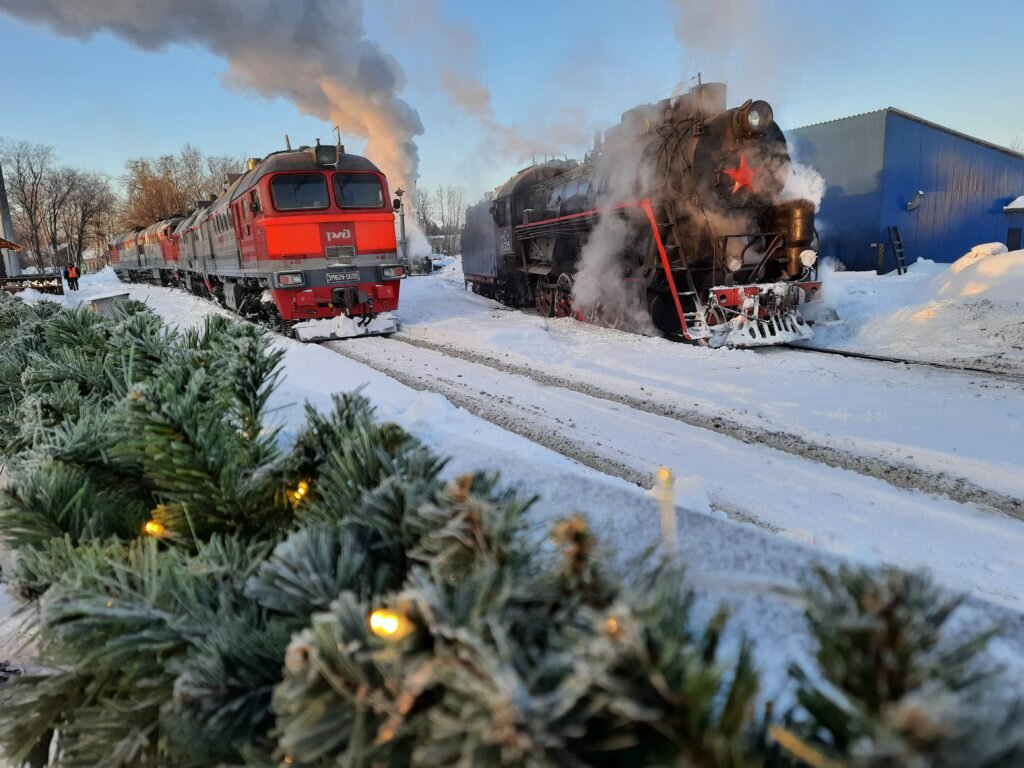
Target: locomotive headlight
(734, 262)
(757, 118)
(392, 273)
(290, 279)
(808, 257)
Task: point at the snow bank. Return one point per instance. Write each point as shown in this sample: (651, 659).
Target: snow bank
(969, 312)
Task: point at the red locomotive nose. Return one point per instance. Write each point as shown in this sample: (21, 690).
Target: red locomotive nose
(742, 176)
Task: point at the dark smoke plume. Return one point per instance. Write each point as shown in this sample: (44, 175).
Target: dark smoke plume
(314, 53)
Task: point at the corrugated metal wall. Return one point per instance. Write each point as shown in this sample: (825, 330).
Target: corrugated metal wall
(850, 154)
(965, 185)
(874, 165)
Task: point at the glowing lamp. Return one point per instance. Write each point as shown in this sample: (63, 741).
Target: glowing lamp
(389, 625)
(154, 528)
(299, 493)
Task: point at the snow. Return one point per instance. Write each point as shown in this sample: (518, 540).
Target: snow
(965, 429)
(342, 327)
(968, 312)
(1016, 206)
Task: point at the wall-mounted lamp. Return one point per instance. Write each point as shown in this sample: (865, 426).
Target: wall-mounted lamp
(914, 204)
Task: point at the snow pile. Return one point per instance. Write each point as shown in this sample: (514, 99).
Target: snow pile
(969, 312)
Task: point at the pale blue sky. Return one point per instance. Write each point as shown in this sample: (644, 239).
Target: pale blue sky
(546, 62)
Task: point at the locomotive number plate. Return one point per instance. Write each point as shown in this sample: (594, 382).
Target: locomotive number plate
(343, 277)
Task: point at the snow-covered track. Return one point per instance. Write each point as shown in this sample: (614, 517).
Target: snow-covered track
(800, 497)
(899, 474)
(1007, 375)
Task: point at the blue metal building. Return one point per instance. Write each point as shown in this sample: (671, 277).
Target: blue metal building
(945, 191)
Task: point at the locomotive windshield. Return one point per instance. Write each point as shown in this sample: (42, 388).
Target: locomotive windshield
(300, 191)
(358, 190)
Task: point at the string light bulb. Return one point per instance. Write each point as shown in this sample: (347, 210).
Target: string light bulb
(612, 627)
(390, 625)
(300, 492)
(154, 528)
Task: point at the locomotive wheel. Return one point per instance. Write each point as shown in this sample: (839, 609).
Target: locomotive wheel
(563, 296)
(545, 295)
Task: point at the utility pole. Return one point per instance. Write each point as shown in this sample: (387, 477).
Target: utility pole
(9, 264)
(401, 226)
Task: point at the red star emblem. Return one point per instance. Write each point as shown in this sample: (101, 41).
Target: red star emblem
(743, 176)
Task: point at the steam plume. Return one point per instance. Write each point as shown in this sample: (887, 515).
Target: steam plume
(314, 53)
(461, 47)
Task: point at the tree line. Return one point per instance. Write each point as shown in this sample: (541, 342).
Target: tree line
(58, 211)
(441, 214)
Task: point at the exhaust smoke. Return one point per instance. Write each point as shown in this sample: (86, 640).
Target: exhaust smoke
(313, 53)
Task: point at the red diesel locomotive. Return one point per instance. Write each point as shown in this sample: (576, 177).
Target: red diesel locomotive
(303, 235)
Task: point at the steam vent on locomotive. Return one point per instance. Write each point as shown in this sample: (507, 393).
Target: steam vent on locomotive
(303, 235)
(675, 219)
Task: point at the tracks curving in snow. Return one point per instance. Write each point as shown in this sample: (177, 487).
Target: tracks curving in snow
(898, 474)
(998, 374)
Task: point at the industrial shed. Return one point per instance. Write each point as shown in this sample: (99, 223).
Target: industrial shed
(945, 192)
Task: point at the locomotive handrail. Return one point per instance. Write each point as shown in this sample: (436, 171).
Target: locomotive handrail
(645, 206)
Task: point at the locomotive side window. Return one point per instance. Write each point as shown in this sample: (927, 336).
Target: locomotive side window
(358, 190)
(299, 192)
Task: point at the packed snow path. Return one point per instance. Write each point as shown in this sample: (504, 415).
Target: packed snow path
(837, 509)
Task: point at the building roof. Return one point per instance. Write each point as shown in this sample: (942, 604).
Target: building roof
(929, 124)
(8, 245)
(1017, 206)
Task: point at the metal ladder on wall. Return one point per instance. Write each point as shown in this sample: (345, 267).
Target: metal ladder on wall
(896, 241)
(666, 231)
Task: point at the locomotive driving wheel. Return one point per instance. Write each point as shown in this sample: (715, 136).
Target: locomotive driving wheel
(545, 298)
(563, 296)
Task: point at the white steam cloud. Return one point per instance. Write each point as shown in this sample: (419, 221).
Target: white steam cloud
(550, 132)
(599, 289)
(313, 53)
(806, 183)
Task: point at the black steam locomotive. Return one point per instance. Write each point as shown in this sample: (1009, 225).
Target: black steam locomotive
(674, 223)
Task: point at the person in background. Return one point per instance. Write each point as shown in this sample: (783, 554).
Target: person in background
(71, 275)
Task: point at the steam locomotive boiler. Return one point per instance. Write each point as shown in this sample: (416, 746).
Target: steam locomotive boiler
(675, 221)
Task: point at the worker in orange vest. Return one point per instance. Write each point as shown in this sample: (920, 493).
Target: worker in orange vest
(71, 273)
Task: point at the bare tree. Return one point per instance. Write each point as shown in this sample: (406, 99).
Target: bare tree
(451, 212)
(27, 169)
(88, 215)
(425, 209)
(59, 186)
(158, 187)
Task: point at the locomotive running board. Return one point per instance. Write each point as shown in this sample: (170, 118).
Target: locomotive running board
(342, 327)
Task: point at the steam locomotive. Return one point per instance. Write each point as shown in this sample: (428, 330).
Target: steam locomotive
(302, 235)
(674, 223)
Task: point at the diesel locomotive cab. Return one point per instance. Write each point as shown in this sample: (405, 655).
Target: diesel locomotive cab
(301, 235)
(329, 237)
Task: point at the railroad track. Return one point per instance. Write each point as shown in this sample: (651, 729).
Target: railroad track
(1007, 375)
(901, 475)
